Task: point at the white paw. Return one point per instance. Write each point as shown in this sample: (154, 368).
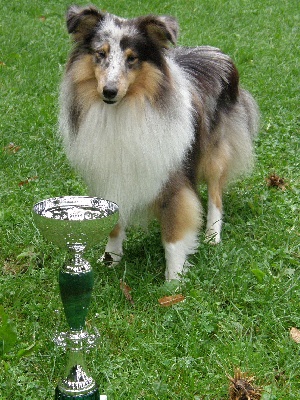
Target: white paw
(176, 274)
(214, 224)
(110, 259)
(172, 275)
(212, 237)
(114, 250)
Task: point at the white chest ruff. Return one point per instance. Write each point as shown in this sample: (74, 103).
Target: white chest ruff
(126, 153)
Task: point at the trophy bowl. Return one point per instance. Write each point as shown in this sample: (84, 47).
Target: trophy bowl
(76, 223)
(73, 220)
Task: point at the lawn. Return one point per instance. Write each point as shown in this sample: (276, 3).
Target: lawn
(242, 297)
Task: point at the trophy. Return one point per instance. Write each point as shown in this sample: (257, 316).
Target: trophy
(76, 223)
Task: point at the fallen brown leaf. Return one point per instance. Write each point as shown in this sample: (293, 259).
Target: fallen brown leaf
(12, 267)
(295, 335)
(275, 181)
(12, 148)
(168, 301)
(126, 291)
(241, 387)
(22, 183)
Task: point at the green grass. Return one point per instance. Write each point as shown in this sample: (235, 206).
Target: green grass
(242, 297)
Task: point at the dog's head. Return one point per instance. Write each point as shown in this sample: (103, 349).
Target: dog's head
(126, 55)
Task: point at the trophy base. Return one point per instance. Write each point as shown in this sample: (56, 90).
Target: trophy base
(93, 395)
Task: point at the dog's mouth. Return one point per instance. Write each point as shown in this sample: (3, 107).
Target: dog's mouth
(109, 101)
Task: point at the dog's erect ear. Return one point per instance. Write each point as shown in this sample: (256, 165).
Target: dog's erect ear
(162, 29)
(82, 20)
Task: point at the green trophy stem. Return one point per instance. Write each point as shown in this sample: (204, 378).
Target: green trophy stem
(76, 285)
(76, 292)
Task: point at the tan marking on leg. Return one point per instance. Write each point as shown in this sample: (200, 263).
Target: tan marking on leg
(215, 190)
(180, 221)
(115, 232)
(114, 247)
(216, 180)
(180, 214)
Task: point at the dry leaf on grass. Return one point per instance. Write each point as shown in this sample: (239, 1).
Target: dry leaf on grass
(22, 183)
(126, 291)
(12, 267)
(168, 301)
(275, 181)
(295, 335)
(12, 148)
(242, 388)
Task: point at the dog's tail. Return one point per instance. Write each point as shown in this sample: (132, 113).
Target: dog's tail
(252, 112)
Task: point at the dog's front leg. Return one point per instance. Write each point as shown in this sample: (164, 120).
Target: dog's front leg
(181, 217)
(176, 254)
(114, 247)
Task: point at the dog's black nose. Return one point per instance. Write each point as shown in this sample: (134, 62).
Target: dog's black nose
(110, 92)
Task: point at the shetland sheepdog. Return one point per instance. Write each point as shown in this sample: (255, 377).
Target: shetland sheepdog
(144, 122)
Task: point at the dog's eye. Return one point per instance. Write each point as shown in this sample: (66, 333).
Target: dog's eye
(131, 60)
(100, 55)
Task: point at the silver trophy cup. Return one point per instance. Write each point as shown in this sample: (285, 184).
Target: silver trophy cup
(76, 223)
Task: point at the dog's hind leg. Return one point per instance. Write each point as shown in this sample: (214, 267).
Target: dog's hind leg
(114, 247)
(180, 217)
(215, 166)
(214, 213)
(216, 181)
